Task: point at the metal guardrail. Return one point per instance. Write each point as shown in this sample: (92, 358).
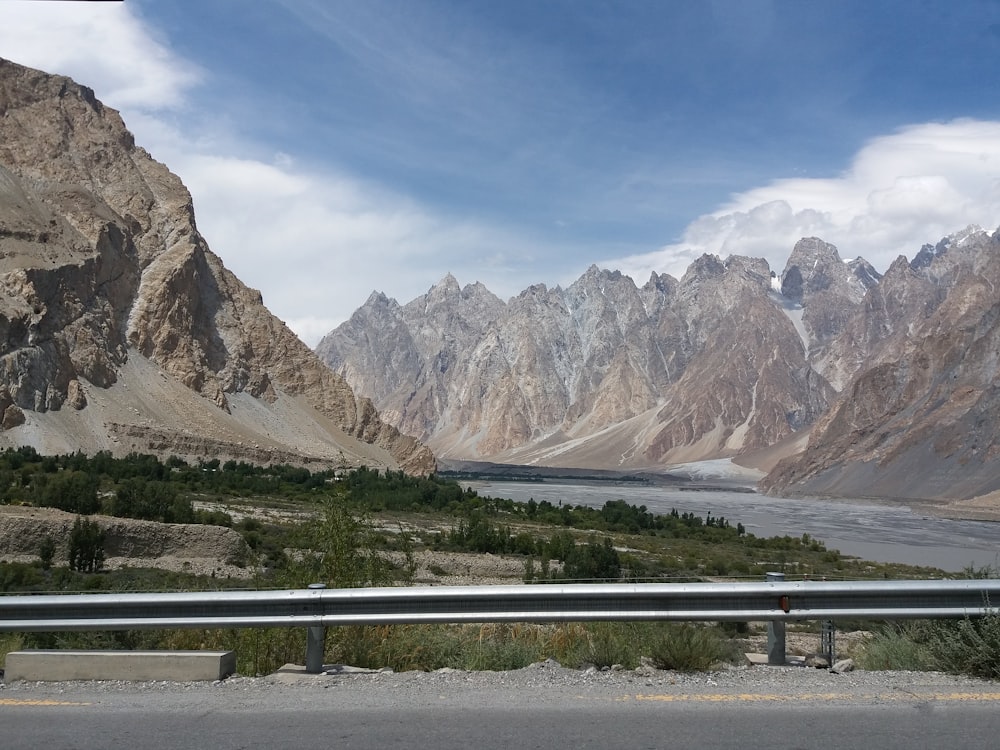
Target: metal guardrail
(776, 601)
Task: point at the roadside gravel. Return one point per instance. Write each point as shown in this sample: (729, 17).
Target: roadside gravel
(773, 684)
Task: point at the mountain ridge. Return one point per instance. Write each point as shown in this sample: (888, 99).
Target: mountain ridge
(732, 360)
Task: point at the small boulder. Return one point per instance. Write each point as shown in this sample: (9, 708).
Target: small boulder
(842, 666)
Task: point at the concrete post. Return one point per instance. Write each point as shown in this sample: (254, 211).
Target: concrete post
(776, 633)
(315, 642)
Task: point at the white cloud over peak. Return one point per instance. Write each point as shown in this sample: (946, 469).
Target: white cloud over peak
(317, 241)
(105, 46)
(901, 191)
(317, 244)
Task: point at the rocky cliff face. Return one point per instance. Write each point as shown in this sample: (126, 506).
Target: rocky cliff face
(107, 288)
(892, 380)
(919, 418)
(602, 374)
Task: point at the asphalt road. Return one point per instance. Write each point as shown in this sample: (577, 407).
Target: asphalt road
(494, 712)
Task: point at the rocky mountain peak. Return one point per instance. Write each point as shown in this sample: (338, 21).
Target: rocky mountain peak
(912, 422)
(812, 268)
(112, 304)
(707, 266)
(448, 286)
(864, 272)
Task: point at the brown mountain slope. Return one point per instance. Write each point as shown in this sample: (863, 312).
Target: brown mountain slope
(922, 418)
(109, 294)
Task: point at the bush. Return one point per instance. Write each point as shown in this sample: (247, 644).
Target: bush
(897, 647)
(690, 648)
(15, 576)
(593, 561)
(969, 646)
(46, 552)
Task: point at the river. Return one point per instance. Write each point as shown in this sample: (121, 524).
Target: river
(881, 533)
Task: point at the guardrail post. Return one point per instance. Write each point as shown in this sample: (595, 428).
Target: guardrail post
(827, 642)
(315, 642)
(776, 633)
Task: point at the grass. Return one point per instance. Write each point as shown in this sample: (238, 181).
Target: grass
(479, 647)
(970, 646)
(897, 647)
(9, 642)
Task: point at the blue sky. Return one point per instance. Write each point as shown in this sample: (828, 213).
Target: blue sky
(335, 147)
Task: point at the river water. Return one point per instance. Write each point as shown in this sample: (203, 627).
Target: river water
(880, 533)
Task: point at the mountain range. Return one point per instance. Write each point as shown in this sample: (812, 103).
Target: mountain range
(120, 330)
(829, 377)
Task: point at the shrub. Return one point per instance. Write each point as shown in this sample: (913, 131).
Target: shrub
(689, 648)
(969, 646)
(897, 647)
(594, 560)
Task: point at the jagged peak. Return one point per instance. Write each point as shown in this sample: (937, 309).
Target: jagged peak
(813, 248)
(479, 295)
(595, 276)
(663, 282)
(929, 253)
(448, 283)
(748, 266)
(535, 290)
(706, 266)
(376, 303)
(898, 266)
(864, 272)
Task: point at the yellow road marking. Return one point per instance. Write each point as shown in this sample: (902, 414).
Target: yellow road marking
(807, 697)
(38, 702)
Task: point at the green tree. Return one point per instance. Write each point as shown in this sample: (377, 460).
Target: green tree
(343, 552)
(72, 491)
(46, 552)
(86, 546)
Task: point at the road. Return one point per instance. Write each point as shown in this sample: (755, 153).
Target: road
(495, 711)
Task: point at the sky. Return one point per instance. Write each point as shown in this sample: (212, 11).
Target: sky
(338, 147)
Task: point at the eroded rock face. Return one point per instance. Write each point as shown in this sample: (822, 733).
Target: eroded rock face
(826, 292)
(919, 418)
(893, 377)
(601, 374)
(100, 259)
(180, 546)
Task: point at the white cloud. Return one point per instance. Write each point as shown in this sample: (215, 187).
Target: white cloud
(105, 46)
(317, 244)
(902, 190)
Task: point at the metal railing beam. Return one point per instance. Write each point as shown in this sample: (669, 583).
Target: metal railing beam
(777, 601)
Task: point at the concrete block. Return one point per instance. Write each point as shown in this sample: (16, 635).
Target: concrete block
(173, 666)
